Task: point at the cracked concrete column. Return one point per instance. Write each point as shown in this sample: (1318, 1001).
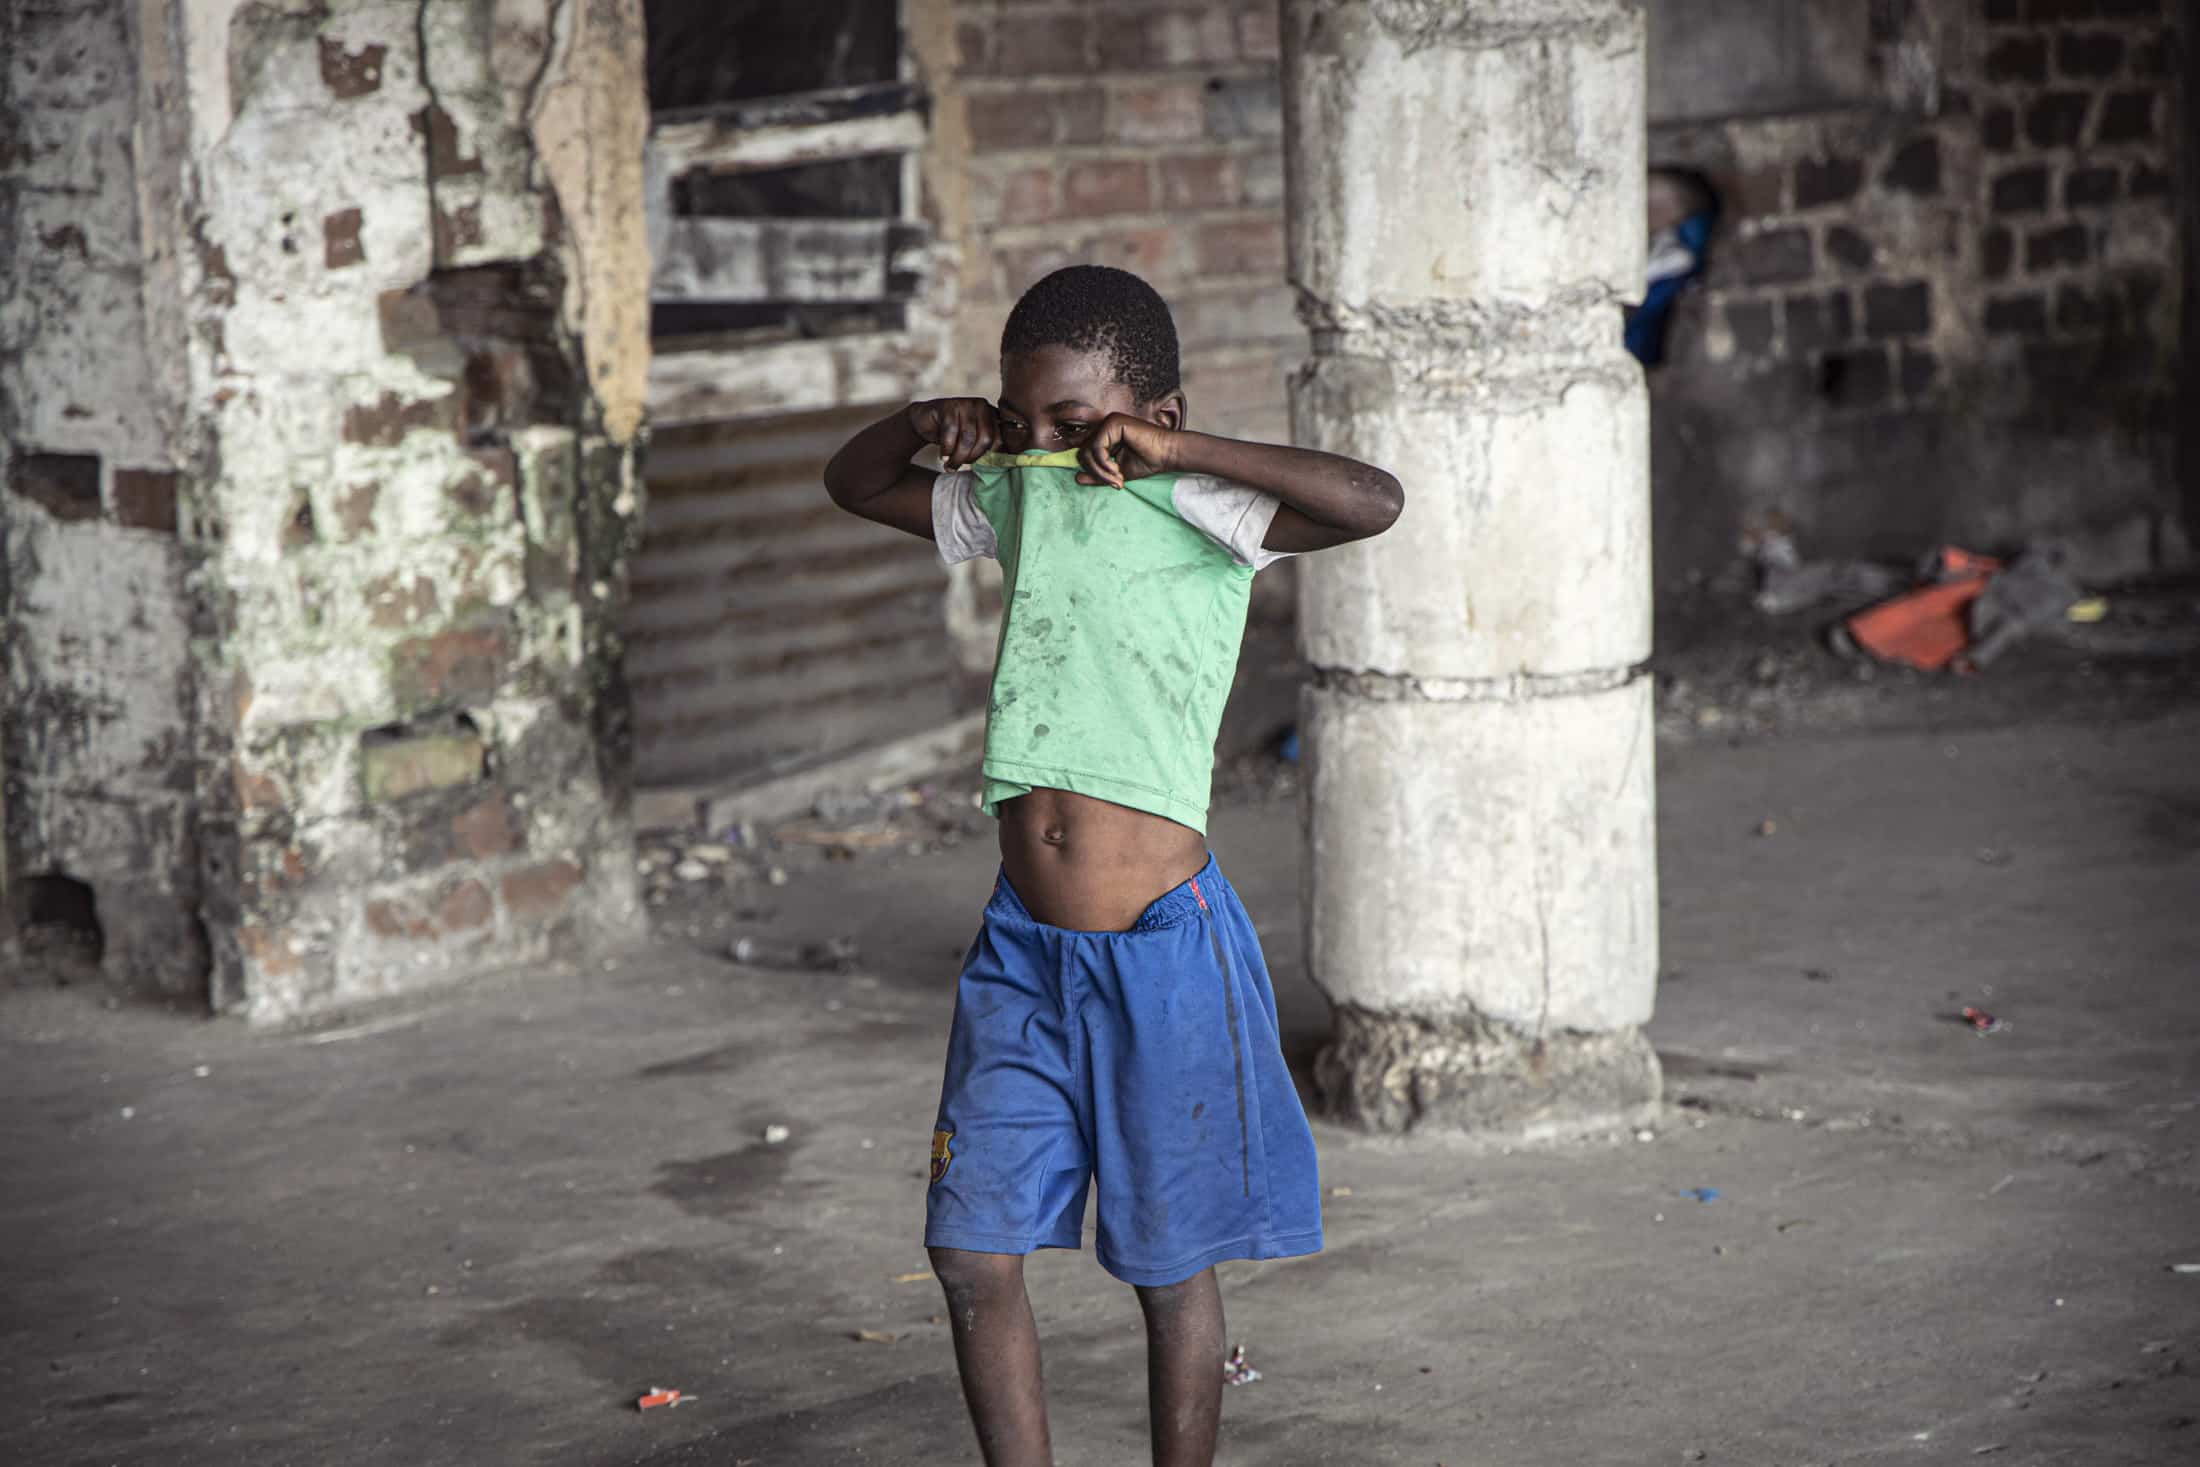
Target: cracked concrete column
(1466, 214)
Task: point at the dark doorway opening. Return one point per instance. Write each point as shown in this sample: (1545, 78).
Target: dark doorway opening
(60, 934)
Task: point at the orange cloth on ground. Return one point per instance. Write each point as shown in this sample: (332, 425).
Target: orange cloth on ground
(1927, 628)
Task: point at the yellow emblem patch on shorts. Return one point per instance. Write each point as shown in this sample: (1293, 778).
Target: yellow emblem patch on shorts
(941, 1156)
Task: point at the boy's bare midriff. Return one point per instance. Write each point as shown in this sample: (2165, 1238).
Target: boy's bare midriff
(1089, 865)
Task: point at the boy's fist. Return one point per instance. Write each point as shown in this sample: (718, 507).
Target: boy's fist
(1124, 447)
(963, 429)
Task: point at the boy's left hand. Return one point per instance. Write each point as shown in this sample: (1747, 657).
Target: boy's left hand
(1124, 447)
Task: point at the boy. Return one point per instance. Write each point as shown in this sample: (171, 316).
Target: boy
(1114, 1016)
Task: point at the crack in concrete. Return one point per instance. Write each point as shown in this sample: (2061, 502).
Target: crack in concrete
(434, 105)
(1421, 24)
(532, 93)
(1377, 685)
(1543, 934)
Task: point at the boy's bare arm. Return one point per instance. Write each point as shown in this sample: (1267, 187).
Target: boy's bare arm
(872, 476)
(1327, 499)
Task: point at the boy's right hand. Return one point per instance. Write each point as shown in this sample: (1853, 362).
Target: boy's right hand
(962, 428)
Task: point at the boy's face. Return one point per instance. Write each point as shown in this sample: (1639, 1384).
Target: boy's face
(1053, 397)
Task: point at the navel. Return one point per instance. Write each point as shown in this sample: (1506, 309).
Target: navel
(1054, 835)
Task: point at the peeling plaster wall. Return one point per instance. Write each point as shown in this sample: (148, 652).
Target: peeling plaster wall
(424, 509)
(405, 338)
(98, 778)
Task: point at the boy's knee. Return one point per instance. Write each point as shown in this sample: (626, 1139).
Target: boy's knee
(964, 1274)
(1164, 1301)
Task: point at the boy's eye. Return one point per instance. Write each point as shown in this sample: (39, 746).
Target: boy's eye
(1068, 430)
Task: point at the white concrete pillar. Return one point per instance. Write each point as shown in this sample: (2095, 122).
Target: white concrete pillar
(1466, 215)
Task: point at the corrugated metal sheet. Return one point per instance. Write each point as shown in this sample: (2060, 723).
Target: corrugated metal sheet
(768, 627)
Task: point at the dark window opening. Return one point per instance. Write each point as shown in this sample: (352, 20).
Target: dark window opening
(706, 51)
(722, 326)
(773, 114)
(835, 190)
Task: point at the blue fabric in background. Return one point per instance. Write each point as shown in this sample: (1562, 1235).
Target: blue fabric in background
(1676, 258)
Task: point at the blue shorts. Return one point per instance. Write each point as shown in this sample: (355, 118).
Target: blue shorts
(1148, 1059)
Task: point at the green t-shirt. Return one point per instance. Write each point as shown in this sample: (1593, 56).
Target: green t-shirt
(1122, 611)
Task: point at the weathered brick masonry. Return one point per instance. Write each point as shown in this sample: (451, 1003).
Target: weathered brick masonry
(324, 384)
(322, 358)
(1949, 310)
(1943, 305)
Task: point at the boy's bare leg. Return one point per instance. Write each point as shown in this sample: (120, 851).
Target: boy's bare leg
(1184, 1369)
(997, 1348)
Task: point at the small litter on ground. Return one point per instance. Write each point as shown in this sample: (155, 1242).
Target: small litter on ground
(1237, 1370)
(835, 955)
(1982, 1022)
(657, 1396)
(872, 1337)
(911, 1278)
(775, 1134)
(1701, 1194)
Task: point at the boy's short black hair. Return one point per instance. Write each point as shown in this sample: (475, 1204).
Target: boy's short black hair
(1100, 308)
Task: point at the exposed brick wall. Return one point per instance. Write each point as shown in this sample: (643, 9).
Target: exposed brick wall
(1147, 136)
(395, 429)
(1947, 308)
(1949, 313)
(422, 518)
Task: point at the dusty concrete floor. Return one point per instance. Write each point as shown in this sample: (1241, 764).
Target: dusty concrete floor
(473, 1231)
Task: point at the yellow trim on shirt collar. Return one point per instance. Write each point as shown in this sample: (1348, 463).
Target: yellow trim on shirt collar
(1066, 459)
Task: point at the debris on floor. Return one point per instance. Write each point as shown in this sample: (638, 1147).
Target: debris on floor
(2034, 593)
(834, 955)
(1982, 1022)
(1786, 582)
(872, 1337)
(835, 837)
(1967, 609)
(1237, 1370)
(775, 1135)
(838, 826)
(1926, 627)
(1701, 1194)
(657, 1396)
